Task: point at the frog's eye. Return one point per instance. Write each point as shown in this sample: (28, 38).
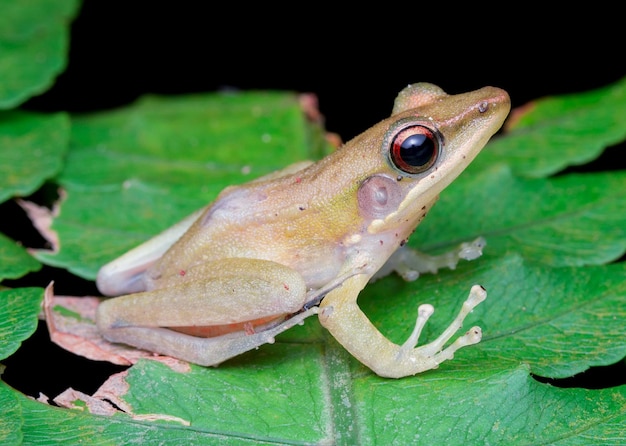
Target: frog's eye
(414, 149)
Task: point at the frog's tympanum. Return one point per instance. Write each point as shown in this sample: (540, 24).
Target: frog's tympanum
(305, 240)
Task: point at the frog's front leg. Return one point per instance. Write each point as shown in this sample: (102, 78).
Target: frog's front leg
(341, 315)
(210, 313)
(410, 264)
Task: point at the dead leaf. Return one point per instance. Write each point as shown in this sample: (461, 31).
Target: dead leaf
(42, 218)
(108, 400)
(72, 326)
(69, 398)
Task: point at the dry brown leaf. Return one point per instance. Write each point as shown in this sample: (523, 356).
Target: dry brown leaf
(71, 324)
(42, 218)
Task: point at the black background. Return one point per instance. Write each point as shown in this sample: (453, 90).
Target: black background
(355, 61)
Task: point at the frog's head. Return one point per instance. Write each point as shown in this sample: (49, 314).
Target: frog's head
(428, 141)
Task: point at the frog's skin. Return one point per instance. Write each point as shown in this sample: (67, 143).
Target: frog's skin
(305, 240)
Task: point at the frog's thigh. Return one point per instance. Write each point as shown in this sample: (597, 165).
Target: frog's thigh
(216, 293)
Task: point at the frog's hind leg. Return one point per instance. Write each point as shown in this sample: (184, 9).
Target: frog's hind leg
(204, 351)
(216, 296)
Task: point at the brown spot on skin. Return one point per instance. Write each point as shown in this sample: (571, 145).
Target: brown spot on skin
(381, 242)
(301, 208)
(403, 242)
(285, 286)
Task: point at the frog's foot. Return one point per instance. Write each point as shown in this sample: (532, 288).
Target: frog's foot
(410, 263)
(343, 318)
(435, 350)
(202, 351)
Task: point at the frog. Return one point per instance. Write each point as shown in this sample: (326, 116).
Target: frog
(306, 240)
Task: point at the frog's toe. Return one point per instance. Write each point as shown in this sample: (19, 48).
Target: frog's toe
(435, 349)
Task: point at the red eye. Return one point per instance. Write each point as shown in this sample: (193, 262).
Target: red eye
(414, 149)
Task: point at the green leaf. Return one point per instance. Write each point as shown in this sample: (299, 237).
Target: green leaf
(32, 147)
(560, 321)
(494, 406)
(576, 128)
(14, 260)
(133, 172)
(25, 421)
(574, 219)
(18, 317)
(554, 307)
(555, 321)
(551, 321)
(497, 405)
(11, 423)
(296, 410)
(34, 39)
